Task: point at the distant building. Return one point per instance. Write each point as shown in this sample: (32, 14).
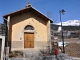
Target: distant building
(2, 29)
(68, 31)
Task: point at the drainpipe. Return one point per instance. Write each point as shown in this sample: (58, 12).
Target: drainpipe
(6, 37)
(6, 33)
(6, 21)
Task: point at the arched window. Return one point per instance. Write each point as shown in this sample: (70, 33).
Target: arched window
(29, 27)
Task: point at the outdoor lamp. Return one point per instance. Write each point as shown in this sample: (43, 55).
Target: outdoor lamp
(62, 11)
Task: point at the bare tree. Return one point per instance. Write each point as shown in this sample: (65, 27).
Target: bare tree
(49, 14)
(55, 20)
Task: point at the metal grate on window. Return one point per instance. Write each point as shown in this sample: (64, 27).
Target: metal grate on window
(29, 27)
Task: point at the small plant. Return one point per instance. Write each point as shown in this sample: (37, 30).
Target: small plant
(17, 51)
(12, 54)
(16, 54)
(44, 53)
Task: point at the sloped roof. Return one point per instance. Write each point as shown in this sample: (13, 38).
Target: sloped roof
(29, 8)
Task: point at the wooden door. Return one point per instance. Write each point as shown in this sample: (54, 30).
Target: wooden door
(28, 40)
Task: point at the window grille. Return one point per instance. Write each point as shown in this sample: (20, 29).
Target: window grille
(29, 27)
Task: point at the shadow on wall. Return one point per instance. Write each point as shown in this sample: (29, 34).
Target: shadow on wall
(27, 15)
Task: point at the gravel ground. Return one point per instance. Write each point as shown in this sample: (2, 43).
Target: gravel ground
(73, 49)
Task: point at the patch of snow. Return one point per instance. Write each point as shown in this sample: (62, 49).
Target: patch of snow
(61, 44)
(59, 29)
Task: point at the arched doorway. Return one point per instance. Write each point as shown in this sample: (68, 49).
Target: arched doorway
(29, 37)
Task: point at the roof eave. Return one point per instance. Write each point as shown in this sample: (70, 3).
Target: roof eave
(5, 16)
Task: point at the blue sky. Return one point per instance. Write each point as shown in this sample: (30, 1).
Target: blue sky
(72, 8)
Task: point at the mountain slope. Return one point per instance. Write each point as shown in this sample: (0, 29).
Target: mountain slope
(69, 28)
(70, 23)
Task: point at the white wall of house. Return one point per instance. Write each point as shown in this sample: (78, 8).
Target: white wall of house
(2, 46)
